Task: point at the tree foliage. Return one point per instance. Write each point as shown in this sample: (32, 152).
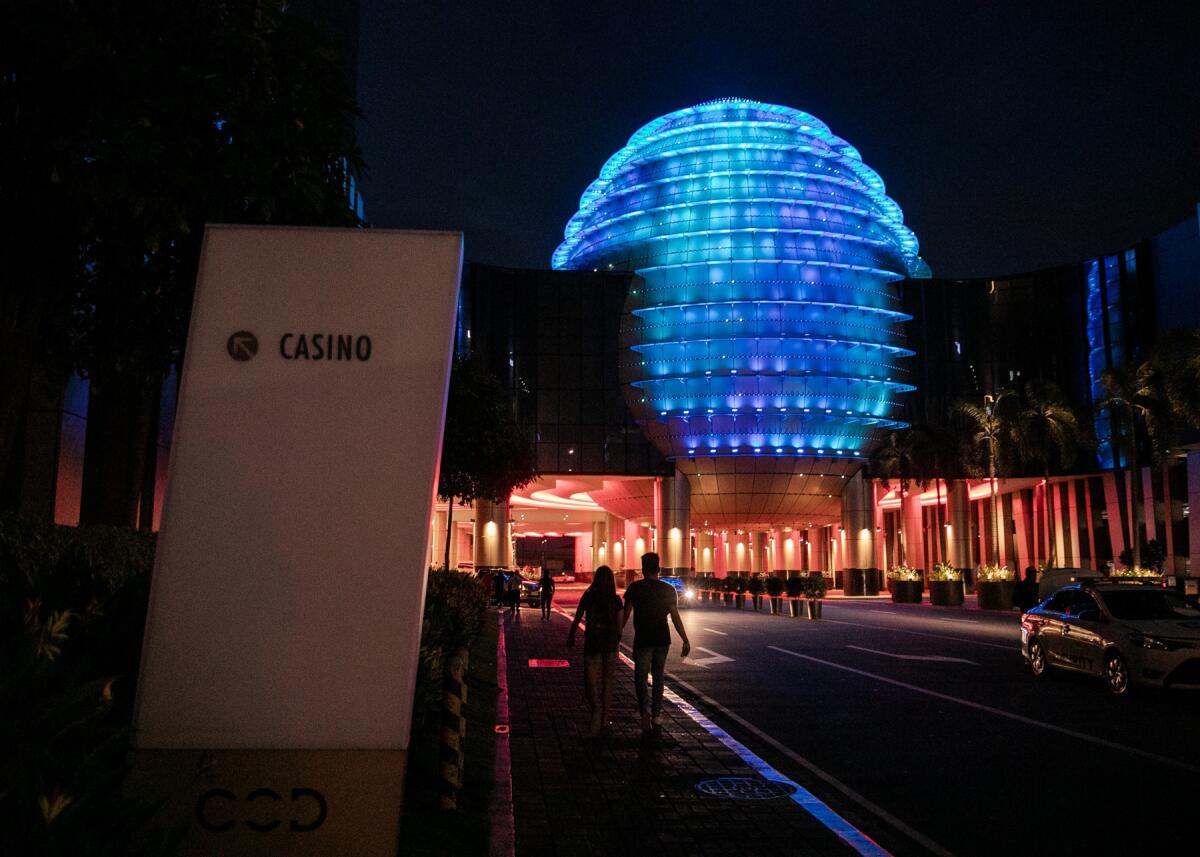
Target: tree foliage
(485, 453)
(125, 126)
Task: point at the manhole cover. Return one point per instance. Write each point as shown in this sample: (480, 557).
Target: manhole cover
(744, 788)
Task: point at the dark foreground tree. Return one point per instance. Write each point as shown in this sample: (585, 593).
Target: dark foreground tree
(124, 128)
(485, 453)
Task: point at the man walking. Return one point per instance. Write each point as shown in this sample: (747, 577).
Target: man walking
(650, 601)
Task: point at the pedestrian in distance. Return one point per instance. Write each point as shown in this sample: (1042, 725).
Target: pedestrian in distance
(546, 593)
(651, 601)
(1025, 592)
(512, 592)
(601, 608)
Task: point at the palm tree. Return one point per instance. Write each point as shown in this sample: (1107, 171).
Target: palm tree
(1045, 432)
(1178, 359)
(1138, 395)
(896, 459)
(989, 428)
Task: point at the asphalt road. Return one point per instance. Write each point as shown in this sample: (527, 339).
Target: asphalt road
(923, 727)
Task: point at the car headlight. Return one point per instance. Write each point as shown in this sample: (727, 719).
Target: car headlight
(689, 593)
(1148, 642)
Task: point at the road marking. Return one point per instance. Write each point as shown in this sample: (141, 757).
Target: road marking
(714, 631)
(801, 796)
(939, 658)
(879, 812)
(813, 805)
(1009, 648)
(1020, 718)
(711, 660)
(958, 621)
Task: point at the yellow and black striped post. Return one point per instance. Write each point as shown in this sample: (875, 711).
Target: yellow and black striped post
(454, 728)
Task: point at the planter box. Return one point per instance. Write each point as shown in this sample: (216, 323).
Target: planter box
(739, 600)
(906, 591)
(946, 593)
(812, 609)
(756, 600)
(776, 605)
(727, 598)
(994, 594)
(796, 607)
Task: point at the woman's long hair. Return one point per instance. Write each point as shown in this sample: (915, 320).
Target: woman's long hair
(604, 585)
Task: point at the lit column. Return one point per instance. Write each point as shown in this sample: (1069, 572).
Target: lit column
(776, 540)
(615, 528)
(705, 550)
(914, 530)
(672, 511)
(437, 539)
(816, 549)
(958, 503)
(739, 552)
(1116, 521)
(858, 515)
(1072, 558)
(491, 534)
(756, 552)
(600, 547)
(881, 559)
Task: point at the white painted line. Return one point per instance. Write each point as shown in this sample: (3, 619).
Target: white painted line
(711, 660)
(957, 621)
(714, 631)
(1012, 648)
(879, 812)
(1020, 718)
(938, 658)
(812, 804)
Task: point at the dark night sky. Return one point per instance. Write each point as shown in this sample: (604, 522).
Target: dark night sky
(1013, 135)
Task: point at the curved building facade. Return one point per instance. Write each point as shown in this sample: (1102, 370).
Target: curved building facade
(765, 344)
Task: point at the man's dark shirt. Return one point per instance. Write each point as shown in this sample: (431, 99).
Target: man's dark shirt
(652, 602)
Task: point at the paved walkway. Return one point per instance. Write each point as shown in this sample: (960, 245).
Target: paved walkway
(623, 794)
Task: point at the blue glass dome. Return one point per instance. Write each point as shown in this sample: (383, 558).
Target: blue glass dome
(767, 323)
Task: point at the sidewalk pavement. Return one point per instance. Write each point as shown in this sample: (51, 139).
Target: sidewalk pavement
(624, 794)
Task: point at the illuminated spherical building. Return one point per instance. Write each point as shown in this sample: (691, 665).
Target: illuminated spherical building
(765, 340)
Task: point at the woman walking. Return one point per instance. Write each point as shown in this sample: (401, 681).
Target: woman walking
(602, 610)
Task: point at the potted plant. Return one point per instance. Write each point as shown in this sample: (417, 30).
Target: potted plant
(775, 590)
(905, 584)
(755, 587)
(945, 585)
(814, 590)
(1136, 571)
(795, 591)
(994, 587)
(740, 585)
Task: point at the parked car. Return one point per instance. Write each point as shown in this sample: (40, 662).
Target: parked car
(1126, 632)
(684, 588)
(531, 590)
